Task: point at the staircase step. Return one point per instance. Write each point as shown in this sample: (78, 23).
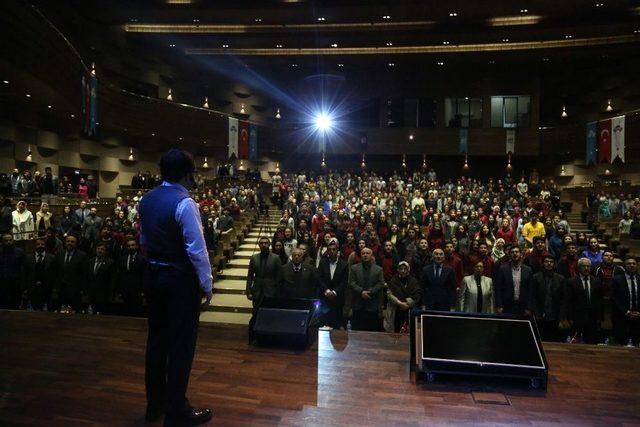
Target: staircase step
(245, 254)
(239, 263)
(225, 317)
(230, 286)
(234, 273)
(248, 247)
(230, 302)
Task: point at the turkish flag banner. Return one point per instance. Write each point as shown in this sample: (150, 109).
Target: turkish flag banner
(243, 140)
(604, 141)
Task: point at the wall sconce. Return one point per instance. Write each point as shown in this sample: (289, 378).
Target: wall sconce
(29, 154)
(206, 163)
(424, 161)
(364, 163)
(278, 113)
(241, 108)
(404, 162)
(564, 112)
(323, 164)
(131, 153)
(169, 96)
(277, 167)
(466, 163)
(609, 106)
(206, 102)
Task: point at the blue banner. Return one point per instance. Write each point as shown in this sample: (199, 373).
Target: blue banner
(253, 142)
(592, 141)
(463, 135)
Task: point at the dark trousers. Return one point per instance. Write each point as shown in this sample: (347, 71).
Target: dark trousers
(174, 312)
(589, 329)
(363, 320)
(626, 329)
(549, 330)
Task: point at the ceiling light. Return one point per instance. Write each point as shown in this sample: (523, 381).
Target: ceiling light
(7, 81)
(169, 96)
(524, 10)
(196, 20)
(609, 106)
(340, 65)
(634, 32)
(386, 16)
(131, 153)
(225, 46)
(278, 113)
(568, 36)
(241, 108)
(28, 95)
(445, 42)
(49, 106)
(321, 18)
(334, 44)
(206, 163)
(505, 40)
(545, 59)
(564, 112)
(278, 45)
(453, 14)
(172, 45)
(153, 134)
(180, 139)
(73, 116)
(133, 20)
(466, 98)
(389, 44)
(206, 102)
(599, 4)
(505, 21)
(440, 63)
(410, 137)
(391, 64)
(258, 20)
(294, 65)
(323, 122)
(492, 61)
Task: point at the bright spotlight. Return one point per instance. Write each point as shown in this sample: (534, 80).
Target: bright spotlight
(323, 122)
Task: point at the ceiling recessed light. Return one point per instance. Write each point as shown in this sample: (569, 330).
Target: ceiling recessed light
(634, 32)
(411, 136)
(172, 45)
(73, 116)
(466, 98)
(391, 64)
(153, 134)
(321, 18)
(389, 44)
(258, 20)
(524, 10)
(196, 20)
(453, 14)
(386, 16)
(440, 62)
(28, 95)
(225, 46)
(505, 40)
(294, 65)
(568, 36)
(7, 81)
(340, 65)
(49, 106)
(445, 42)
(545, 59)
(334, 44)
(278, 45)
(180, 139)
(599, 4)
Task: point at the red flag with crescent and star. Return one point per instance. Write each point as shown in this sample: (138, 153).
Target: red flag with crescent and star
(243, 140)
(604, 141)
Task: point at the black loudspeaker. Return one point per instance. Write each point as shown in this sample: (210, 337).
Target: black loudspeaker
(285, 322)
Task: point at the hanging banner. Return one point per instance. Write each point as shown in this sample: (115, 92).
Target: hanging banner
(604, 141)
(592, 140)
(463, 146)
(233, 137)
(243, 140)
(511, 141)
(253, 142)
(617, 138)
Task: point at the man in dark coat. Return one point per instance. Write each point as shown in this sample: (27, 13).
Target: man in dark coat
(11, 260)
(130, 281)
(69, 288)
(438, 284)
(626, 304)
(584, 303)
(298, 279)
(38, 275)
(333, 274)
(366, 283)
(100, 280)
(513, 286)
(264, 274)
(548, 302)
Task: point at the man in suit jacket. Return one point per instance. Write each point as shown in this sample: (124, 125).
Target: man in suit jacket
(264, 274)
(91, 228)
(82, 213)
(366, 283)
(513, 285)
(11, 260)
(476, 292)
(548, 302)
(69, 288)
(625, 294)
(584, 303)
(100, 280)
(298, 279)
(438, 284)
(333, 275)
(37, 276)
(130, 280)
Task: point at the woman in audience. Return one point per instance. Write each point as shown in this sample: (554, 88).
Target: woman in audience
(67, 222)
(23, 222)
(44, 219)
(403, 294)
(476, 292)
(83, 190)
(278, 249)
(498, 253)
(624, 226)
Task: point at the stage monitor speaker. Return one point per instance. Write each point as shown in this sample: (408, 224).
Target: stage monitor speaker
(478, 345)
(285, 322)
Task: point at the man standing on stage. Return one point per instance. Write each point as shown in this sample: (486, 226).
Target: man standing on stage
(178, 275)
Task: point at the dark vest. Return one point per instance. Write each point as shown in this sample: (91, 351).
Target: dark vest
(162, 234)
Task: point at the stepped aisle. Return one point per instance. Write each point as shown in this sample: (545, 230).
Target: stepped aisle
(229, 303)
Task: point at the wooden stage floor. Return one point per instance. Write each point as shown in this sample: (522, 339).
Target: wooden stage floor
(89, 370)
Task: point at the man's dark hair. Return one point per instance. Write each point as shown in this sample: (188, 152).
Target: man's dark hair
(546, 257)
(537, 239)
(175, 164)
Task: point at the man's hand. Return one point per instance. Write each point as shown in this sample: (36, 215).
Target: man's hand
(207, 297)
(403, 305)
(365, 295)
